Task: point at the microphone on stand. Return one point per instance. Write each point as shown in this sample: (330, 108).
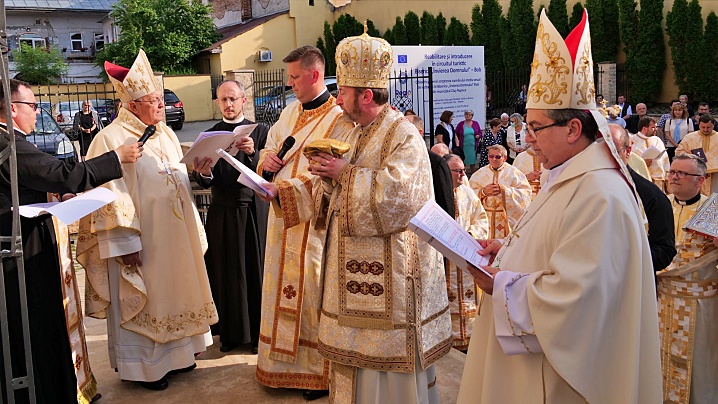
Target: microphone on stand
(286, 146)
(148, 132)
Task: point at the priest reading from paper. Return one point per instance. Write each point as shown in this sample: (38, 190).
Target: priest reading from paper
(572, 316)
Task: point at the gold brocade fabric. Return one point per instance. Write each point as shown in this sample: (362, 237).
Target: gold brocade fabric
(695, 140)
(527, 162)
(384, 288)
(291, 291)
(687, 292)
(504, 210)
(464, 295)
(86, 383)
(168, 297)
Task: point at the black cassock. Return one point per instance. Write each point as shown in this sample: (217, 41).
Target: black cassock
(38, 174)
(236, 232)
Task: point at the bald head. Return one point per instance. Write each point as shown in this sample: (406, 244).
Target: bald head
(441, 149)
(622, 140)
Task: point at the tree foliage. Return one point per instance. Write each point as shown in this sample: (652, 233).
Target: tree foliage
(39, 65)
(646, 60)
(576, 15)
(345, 26)
(399, 32)
(493, 54)
(389, 36)
(429, 35)
(457, 33)
(603, 17)
(171, 32)
(478, 33)
(681, 32)
(413, 29)
(558, 14)
(441, 27)
(371, 29)
(330, 43)
(522, 28)
(711, 70)
(628, 23)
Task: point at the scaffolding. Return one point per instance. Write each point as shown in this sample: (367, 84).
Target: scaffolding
(11, 250)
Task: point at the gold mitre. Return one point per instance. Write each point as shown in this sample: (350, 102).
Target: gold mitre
(135, 82)
(562, 71)
(363, 61)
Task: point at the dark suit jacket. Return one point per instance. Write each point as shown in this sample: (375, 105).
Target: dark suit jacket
(443, 186)
(659, 213)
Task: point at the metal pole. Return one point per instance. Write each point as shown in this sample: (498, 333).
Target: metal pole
(15, 239)
(431, 104)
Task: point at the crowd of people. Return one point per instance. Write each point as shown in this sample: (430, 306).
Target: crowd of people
(594, 291)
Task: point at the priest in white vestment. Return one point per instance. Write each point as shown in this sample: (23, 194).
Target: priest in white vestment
(504, 191)
(385, 314)
(143, 253)
(646, 138)
(528, 163)
(292, 285)
(572, 316)
(687, 291)
(464, 297)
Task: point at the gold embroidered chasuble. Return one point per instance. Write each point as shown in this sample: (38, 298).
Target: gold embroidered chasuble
(709, 144)
(595, 320)
(505, 209)
(658, 168)
(527, 162)
(291, 295)
(86, 383)
(384, 288)
(688, 309)
(167, 298)
(464, 295)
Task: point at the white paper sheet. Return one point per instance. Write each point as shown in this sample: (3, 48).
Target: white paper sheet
(433, 225)
(72, 209)
(247, 176)
(207, 142)
(652, 153)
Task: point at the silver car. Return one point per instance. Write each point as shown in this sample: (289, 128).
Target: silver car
(48, 137)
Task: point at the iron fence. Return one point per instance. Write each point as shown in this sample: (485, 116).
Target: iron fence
(503, 90)
(270, 92)
(414, 90)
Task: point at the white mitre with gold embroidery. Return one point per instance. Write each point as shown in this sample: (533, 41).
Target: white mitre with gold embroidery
(363, 61)
(135, 82)
(562, 71)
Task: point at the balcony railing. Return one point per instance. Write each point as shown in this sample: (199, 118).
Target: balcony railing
(79, 55)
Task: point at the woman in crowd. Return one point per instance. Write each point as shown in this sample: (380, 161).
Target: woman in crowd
(468, 133)
(86, 125)
(676, 128)
(490, 138)
(445, 130)
(515, 141)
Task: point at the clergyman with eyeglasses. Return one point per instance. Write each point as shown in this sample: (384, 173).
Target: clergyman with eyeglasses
(144, 255)
(237, 228)
(686, 294)
(572, 316)
(38, 174)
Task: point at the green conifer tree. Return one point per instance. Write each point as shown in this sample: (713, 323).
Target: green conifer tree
(389, 36)
(493, 54)
(413, 30)
(711, 70)
(558, 14)
(679, 40)
(523, 32)
(478, 34)
(441, 28)
(576, 15)
(371, 29)
(645, 73)
(429, 35)
(399, 32)
(697, 53)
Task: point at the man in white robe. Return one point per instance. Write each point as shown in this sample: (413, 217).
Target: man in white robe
(143, 253)
(572, 317)
(464, 297)
(687, 290)
(527, 162)
(646, 138)
(385, 316)
(504, 191)
(292, 285)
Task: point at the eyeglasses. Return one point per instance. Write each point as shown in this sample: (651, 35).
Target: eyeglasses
(534, 131)
(495, 157)
(153, 101)
(459, 171)
(32, 105)
(230, 100)
(681, 174)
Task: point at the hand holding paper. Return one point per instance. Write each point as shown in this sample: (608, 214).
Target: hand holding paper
(247, 177)
(208, 142)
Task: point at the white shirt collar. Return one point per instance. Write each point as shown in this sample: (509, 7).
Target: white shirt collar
(238, 120)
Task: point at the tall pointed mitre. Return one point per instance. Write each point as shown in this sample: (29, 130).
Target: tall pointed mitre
(562, 71)
(363, 61)
(135, 82)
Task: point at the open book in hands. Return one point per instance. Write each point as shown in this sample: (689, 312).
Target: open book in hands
(72, 209)
(653, 153)
(247, 177)
(208, 142)
(433, 225)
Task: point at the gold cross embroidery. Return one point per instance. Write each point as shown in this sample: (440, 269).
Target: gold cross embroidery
(144, 85)
(132, 84)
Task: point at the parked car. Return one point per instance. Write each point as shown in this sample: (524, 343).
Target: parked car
(269, 93)
(174, 110)
(271, 109)
(49, 138)
(104, 107)
(64, 113)
(45, 105)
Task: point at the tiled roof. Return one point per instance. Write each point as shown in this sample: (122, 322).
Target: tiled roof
(83, 5)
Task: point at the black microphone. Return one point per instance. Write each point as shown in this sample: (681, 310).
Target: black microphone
(286, 146)
(148, 132)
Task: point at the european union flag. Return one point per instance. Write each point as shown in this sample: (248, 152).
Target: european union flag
(402, 59)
